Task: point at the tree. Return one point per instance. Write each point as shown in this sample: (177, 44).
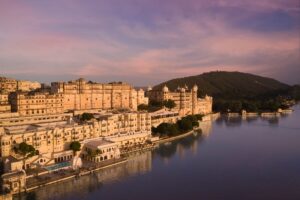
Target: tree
(173, 130)
(271, 105)
(185, 124)
(75, 146)
(235, 106)
(153, 103)
(162, 128)
(26, 150)
(92, 153)
(195, 123)
(192, 118)
(169, 103)
(199, 116)
(168, 129)
(86, 117)
(142, 107)
(154, 130)
(250, 106)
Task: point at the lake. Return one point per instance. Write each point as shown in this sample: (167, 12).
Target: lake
(232, 159)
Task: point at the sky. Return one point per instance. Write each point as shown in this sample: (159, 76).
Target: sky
(145, 42)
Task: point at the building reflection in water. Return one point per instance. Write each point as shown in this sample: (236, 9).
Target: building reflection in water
(138, 163)
(206, 128)
(184, 146)
(238, 120)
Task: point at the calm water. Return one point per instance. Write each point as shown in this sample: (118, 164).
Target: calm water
(233, 159)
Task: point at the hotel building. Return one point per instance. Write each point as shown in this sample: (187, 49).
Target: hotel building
(52, 140)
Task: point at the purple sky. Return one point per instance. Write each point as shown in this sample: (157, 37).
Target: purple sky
(145, 42)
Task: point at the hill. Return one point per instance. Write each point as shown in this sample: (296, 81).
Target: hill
(294, 92)
(230, 85)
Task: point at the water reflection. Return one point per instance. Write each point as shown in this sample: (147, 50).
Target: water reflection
(226, 163)
(138, 163)
(179, 146)
(206, 128)
(239, 120)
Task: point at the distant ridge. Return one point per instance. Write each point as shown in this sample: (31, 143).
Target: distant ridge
(229, 85)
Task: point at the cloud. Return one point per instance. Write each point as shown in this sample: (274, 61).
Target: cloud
(149, 41)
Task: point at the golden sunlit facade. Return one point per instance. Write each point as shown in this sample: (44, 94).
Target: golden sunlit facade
(52, 139)
(187, 101)
(83, 95)
(12, 85)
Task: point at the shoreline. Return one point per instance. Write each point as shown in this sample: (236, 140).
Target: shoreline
(259, 114)
(170, 139)
(75, 175)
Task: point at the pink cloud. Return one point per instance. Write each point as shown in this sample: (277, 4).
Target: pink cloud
(169, 47)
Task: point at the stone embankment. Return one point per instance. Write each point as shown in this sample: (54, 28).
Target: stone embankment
(60, 176)
(57, 177)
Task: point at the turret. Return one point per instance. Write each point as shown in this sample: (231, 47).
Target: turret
(194, 99)
(165, 89)
(195, 88)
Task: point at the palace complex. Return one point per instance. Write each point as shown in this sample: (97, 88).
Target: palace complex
(186, 101)
(12, 85)
(49, 119)
(77, 95)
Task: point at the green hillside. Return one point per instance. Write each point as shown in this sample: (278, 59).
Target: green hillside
(230, 85)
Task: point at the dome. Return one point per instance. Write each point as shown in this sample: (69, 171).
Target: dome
(149, 88)
(195, 88)
(165, 89)
(182, 90)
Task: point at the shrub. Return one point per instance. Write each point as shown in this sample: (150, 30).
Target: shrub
(75, 146)
(169, 103)
(185, 124)
(26, 149)
(142, 107)
(170, 129)
(86, 116)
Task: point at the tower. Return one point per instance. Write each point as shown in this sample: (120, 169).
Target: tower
(165, 93)
(194, 99)
(182, 101)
